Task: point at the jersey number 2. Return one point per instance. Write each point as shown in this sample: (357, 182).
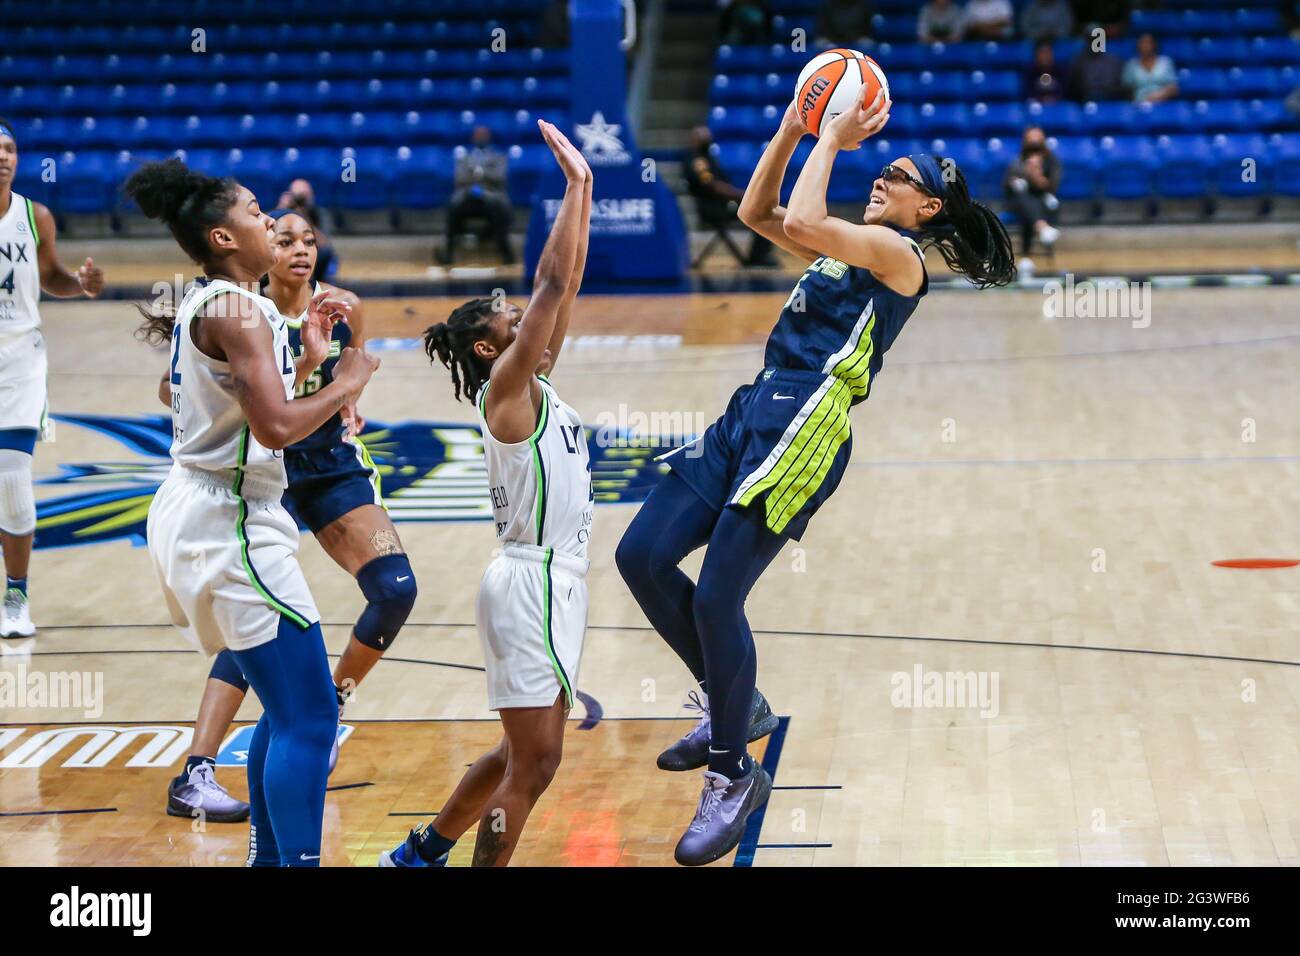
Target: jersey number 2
(176, 353)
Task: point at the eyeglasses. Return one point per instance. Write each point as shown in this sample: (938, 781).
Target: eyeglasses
(897, 174)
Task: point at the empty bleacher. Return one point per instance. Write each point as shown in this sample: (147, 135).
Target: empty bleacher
(324, 85)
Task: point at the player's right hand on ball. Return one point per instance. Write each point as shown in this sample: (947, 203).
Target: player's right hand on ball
(354, 368)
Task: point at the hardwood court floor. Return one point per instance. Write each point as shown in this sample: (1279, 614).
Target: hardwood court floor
(606, 810)
(1032, 503)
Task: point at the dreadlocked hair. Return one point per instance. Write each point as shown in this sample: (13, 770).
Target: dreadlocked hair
(969, 235)
(452, 344)
(190, 203)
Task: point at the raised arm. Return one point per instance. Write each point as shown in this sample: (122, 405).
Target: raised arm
(326, 307)
(575, 281)
(761, 208)
(510, 397)
(352, 418)
(235, 326)
(887, 254)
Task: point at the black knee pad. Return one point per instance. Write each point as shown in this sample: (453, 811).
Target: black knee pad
(388, 584)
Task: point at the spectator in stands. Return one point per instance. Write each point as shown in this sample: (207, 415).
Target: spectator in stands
(845, 23)
(1043, 81)
(716, 198)
(1289, 10)
(746, 21)
(940, 22)
(554, 30)
(1150, 75)
(1046, 20)
(1111, 15)
(479, 191)
(1095, 74)
(989, 20)
(1030, 187)
(301, 198)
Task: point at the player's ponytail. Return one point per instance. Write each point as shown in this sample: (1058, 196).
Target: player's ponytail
(452, 344)
(158, 322)
(189, 202)
(969, 235)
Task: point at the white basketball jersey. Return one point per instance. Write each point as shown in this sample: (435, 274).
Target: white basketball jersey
(541, 487)
(209, 431)
(20, 275)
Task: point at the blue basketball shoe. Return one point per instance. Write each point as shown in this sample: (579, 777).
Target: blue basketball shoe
(407, 854)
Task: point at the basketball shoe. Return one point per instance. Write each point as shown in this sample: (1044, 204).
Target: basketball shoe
(692, 751)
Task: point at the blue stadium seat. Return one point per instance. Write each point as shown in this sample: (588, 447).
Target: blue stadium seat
(1125, 167)
(421, 178)
(1108, 117)
(1243, 167)
(1185, 166)
(372, 186)
(83, 184)
(998, 119)
(1055, 117)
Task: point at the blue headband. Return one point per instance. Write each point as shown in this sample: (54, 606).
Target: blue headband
(929, 172)
(281, 213)
(7, 130)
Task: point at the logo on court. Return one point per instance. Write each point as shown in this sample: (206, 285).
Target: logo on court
(234, 752)
(99, 745)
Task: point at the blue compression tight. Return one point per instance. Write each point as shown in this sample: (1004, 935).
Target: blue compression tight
(289, 757)
(704, 623)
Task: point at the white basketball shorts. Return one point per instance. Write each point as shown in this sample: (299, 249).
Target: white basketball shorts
(22, 381)
(227, 563)
(532, 618)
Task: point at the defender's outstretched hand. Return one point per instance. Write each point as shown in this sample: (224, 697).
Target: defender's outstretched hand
(568, 156)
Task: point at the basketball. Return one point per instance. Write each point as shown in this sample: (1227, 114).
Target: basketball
(829, 82)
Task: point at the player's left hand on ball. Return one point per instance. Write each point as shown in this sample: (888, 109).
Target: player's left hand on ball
(850, 128)
(91, 278)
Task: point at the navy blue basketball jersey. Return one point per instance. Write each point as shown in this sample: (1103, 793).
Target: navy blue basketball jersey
(331, 433)
(840, 320)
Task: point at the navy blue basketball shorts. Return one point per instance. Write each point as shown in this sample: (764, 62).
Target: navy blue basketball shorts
(325, 484)
(782, 444)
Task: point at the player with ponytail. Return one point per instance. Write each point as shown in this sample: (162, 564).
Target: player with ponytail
(758, 474)
(222, 544)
